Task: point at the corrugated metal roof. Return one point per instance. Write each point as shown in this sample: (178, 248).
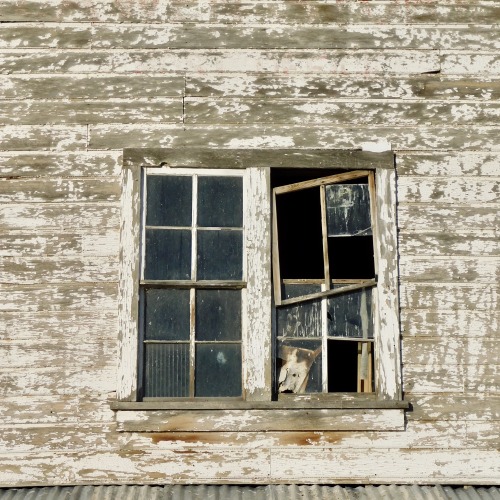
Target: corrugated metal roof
(267, 492)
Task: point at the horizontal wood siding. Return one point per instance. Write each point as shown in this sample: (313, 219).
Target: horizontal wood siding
(82, 80)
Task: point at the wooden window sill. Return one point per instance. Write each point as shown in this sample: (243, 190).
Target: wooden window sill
(243, 416)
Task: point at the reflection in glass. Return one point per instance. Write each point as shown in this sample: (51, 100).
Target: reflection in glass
(168, 254)
(218, 315)
(220, 255)
(167, 314)
(220, 201)
(218, 370)
(169, 200)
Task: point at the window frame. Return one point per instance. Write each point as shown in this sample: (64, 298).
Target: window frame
(258, 348)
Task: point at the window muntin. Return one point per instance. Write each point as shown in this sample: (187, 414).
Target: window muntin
(324, 269)
(192, 284)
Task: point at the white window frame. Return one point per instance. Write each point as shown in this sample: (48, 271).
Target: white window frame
(257, 342)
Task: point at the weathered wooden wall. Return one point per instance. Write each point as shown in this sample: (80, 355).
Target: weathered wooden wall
(80, 80)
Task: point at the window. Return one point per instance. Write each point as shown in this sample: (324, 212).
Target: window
(243, 268)
(324, 271)
(192, 284)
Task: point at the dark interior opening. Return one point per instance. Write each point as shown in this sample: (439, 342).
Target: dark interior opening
(299, 224)
(342, 366)
(351, 257)
(299, 234)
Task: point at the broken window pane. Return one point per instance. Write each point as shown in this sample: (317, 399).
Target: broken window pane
(168, 254)
(351, 258)
(348, 210)
(302, 319)
(299, 366)
(218, 315)
(167, 314)
(169, 200)
(350, 366)
(220, 255)
(218, 370)
(350, 314)
(166, 370)
(220, 201)
(300, 234)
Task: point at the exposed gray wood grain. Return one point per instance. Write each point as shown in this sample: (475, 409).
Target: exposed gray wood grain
(482, 243)
(50, 438)
(416, 435)
(259, 420)
(385, 465)
(58, 11)
(59, 297)
(447, 296)
(59, 190)
(16, 36)
(57, 352)
(41, 138)
(273, 136)
(460, 323)
(439, 351)
(263, 158)
(288, 111)
(459, 379)
(46, 438)
(485, 434)
(446, 164)
(461, 63)
(411, 12)
(34, 270)
(91, 86)
(65, 409)
(81, 164)
(432, 217)
(318, 401)
(90, 243)
(432, 86)
(83, 112)
(453, 190)
(85, 326)
(111, 466)
(58, 216)
(85, 379)
(222, 60)
(450, 269)
(445, 407)
(245, 35)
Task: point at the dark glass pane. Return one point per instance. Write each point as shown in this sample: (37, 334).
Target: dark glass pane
(300, 236)
(348, 210)
(167, 314)
(293, 290)
(220, 201)
(351, 257)
(220, 255)
(299, 366)
(169, 200)
(218, 370)
(168, 254)
(166, 370)
(218, 315)
(350, 314)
